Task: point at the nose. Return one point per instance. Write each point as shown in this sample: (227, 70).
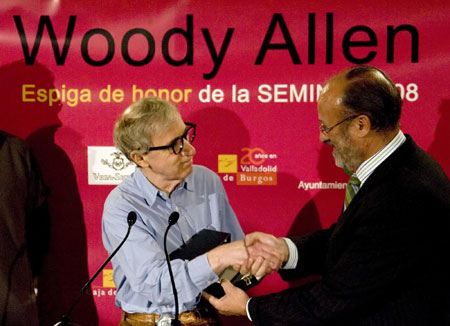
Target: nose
(323, 138)
(188, 149)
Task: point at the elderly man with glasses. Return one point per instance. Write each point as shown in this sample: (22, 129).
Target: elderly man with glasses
(152, 134)
(383, 263)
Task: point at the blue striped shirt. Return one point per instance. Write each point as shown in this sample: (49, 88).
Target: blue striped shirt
(140, 269)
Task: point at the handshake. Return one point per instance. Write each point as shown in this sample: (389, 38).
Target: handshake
(258, 254)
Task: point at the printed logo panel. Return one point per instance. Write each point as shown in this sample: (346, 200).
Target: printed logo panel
(108, 281)
(107, 165)
(227, 163)
(256, 167)
(257, 179)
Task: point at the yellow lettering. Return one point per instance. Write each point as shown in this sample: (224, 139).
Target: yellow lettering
(41, 95)
(175, 95)
(85, 96)
(26, 93)
(72, 97)
(53, 96)
(69, 96)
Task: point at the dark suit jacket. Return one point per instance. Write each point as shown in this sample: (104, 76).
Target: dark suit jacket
(385, 260)
(24, 231)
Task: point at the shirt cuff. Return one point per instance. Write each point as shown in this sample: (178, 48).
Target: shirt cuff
(201, 273)
(246, 310)
(293, 255)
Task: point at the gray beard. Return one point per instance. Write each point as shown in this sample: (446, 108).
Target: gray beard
(349, 156)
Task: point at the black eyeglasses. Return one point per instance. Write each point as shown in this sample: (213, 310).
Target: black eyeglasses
(326, 130)
(178, 143)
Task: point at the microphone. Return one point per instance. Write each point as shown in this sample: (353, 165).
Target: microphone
(173, 218)
(65, 320)
(131, 219)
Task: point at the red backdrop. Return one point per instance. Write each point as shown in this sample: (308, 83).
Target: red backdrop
(247, 73)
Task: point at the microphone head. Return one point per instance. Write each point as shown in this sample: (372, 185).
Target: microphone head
(173, 218)
(132, 216)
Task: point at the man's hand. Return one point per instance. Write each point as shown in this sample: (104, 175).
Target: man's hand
(230, 254)
(233, 303)
(266, 254)
(258, 267)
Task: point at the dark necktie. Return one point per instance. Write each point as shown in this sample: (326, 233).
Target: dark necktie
(351, 190)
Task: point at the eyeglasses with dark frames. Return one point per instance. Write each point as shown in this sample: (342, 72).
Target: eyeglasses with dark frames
(326, 130)
(178, 143)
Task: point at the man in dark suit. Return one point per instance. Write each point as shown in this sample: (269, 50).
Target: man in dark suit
(384, 261)
(24, 228)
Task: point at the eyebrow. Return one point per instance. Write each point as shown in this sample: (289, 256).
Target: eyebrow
(171, 142)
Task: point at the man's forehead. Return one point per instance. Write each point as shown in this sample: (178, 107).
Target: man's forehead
(334, 89)
(168, 128)
(333, 92)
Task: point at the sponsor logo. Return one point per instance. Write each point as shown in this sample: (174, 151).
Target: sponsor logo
(255, 168)
(118, 163)
(108, 281)
(107, 165)
(107, 289)
(228, 163)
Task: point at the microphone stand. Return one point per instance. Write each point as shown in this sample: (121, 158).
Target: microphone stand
(173, 218)
(65, 319)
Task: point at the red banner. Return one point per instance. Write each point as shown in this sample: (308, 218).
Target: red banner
(247, 73)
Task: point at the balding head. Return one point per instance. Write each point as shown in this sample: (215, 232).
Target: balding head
(366, 90)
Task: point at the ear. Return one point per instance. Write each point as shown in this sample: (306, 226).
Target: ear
(139, 159)
(363, 125)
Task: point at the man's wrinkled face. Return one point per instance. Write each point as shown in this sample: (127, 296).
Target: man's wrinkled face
(346, 152)
(164, 163)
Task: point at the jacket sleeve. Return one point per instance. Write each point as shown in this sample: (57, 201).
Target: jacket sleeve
(312, 250)
(361, 269)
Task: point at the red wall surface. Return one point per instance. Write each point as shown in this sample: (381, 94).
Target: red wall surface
(248, 73)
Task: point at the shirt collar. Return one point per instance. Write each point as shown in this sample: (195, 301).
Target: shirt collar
(367, 167)
(188, 183)
(150, 192)
(145, 187)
